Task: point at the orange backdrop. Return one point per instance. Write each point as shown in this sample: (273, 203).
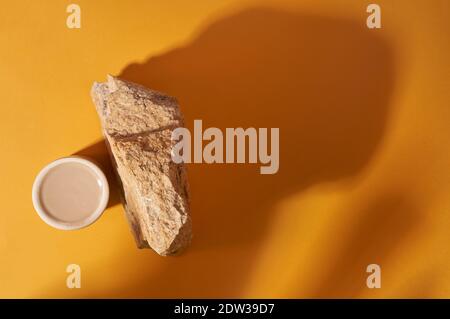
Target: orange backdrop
(364, 145)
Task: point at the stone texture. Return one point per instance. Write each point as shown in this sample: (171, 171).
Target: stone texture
(137, 124)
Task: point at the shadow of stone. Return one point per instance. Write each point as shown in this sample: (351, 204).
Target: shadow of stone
(324, 82)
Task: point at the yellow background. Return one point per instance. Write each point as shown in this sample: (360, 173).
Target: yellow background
(364, 163)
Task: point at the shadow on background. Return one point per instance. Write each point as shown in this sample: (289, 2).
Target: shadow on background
(380, 230)
(99, 153)
(324, 82)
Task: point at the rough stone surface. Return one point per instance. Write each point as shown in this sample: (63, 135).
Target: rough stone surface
(137, 124)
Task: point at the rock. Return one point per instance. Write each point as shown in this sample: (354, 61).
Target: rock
(137, 124)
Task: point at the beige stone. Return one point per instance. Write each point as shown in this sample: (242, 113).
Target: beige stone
(137, 124)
